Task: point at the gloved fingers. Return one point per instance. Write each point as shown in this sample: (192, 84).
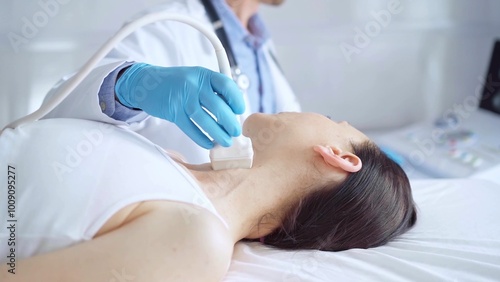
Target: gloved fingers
(191, 130)
(210, 126)
(229, 92)
(224, 115)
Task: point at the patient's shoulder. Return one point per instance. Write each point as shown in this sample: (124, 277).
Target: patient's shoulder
(190, 214)
(202, 239)
(193, 236)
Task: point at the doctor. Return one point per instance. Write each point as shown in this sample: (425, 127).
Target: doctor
(154, 68)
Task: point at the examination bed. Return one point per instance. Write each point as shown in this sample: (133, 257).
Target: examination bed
(456, 238)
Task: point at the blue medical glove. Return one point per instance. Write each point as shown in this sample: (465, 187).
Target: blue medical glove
(178, 94)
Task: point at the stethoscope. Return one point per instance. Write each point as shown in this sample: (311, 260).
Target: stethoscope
(239, 77)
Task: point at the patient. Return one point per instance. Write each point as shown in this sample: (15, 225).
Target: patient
(314, 184)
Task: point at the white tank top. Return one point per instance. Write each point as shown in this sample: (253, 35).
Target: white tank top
(68, 177)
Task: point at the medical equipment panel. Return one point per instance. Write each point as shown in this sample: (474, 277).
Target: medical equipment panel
(464, 142)
(471, 149)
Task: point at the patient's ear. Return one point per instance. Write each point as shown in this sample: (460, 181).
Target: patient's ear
(335, 157)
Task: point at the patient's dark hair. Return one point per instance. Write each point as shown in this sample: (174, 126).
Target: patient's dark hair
(371, 207)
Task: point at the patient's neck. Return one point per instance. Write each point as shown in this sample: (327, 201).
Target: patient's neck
(244, 197)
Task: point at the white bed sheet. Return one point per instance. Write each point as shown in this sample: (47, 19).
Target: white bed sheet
(456, 238)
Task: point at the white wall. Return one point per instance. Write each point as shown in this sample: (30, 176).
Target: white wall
(59, 44)
(427, 58)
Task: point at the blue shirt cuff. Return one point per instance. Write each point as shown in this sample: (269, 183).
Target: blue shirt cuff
(109, 105)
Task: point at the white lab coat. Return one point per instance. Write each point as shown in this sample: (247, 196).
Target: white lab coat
(164, 43)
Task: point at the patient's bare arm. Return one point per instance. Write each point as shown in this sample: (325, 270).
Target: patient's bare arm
(177, 242)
